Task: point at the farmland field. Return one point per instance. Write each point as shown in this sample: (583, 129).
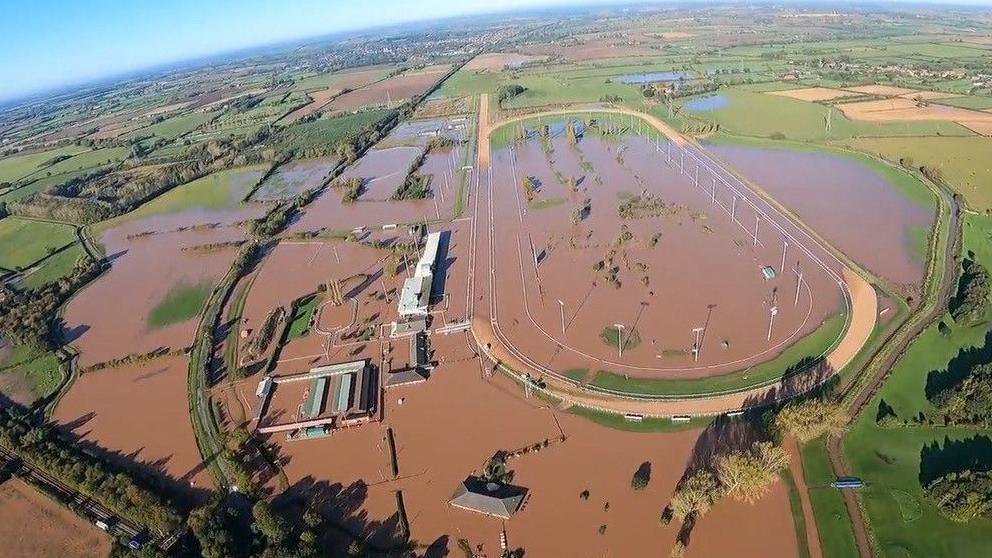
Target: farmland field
(26, 241)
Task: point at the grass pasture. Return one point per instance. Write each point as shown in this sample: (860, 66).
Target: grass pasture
(894, 459)
(964, 162)
(220, 190)
(54, 268)
(19, 166)
(183, 302)
(26, 241)
(812, 345)
(755, 114)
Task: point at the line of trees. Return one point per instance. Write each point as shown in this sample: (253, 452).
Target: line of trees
(968, 305)
(26, 317)
(91, 475)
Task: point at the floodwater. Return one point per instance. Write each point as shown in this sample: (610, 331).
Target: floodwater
(652, 77)
(459, 407)
(293, 178)
(109, 318)
(691, 271)
(706, 103)
(855, 208)
(383, 170)
(139, 413)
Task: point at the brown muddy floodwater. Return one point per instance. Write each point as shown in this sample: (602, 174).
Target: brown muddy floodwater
(855, 208)
(139, 414)
(691, 266)
(383, 171)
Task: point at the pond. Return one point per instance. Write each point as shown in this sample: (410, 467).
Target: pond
(651, 77)
(707, 103)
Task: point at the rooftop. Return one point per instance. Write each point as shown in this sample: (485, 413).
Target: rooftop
(489, 498)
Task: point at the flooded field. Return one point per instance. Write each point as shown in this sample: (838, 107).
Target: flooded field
(706, 103)
(382, 171)
(148, 268)
(35, 526)
(293, 178)
(482, 415)
(652, 77)
(846, 202)
(618, 261)
(139, 414)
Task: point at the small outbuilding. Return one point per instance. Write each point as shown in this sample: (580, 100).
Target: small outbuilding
(489, 498)
(768, 272)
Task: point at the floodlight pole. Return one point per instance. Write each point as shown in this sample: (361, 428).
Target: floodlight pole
(561, 305)
(785, 247)
(669, 152)
(757, 219)
(619, 340)
(437, 210)
(696, 179)
(799, 283)
(713, 197)
(682, 163)
(695, 347)
(733, 210)
(336, 258)
(771, 320)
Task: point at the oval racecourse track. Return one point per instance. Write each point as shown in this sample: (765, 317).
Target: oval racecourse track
(859, 296)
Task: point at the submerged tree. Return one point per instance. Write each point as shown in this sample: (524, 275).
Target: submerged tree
(695, 496)
(747, 475)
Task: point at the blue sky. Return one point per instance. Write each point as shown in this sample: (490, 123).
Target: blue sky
(52, 43)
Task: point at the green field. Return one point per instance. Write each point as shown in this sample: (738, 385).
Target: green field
(173, 127)
(325, 132)
(54, 268)
(647, 424)
(26, 241)
(40, 375)
(964, 162)
(183, 302)
(303, 310)
(970, 101)
(36, 185)
(755, 114)
(85, 161)
(17, 167)
(889, 459)
(220, 190)
(813, 344)
(832, 521)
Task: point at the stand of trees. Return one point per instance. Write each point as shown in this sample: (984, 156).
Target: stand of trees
(969, 401)
(962, 496)
(26, 317)
(967, 307)
(89, 474)
(811, 418)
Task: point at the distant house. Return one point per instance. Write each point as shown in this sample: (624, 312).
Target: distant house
(489, 498)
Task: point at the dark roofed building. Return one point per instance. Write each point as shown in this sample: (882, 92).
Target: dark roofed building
(490, 498)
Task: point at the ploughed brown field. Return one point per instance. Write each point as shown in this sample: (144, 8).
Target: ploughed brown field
(34, 526)
(391, 90)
